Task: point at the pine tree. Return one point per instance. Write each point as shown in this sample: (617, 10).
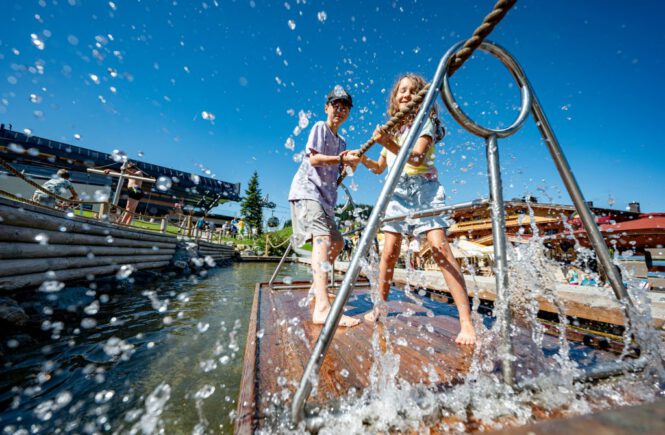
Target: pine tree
(251, 205)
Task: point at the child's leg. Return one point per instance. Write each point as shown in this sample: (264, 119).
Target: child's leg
(392, 244)
(324, 251)
(452, 273)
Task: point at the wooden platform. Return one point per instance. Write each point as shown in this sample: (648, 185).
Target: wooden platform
(422, 332)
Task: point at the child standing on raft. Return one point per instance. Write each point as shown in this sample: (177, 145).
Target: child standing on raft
(417, 189)
(313, 196)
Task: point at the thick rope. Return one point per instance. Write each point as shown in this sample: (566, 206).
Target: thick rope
(280, 245)
(499, 11)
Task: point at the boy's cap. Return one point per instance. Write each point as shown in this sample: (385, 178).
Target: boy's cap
(339, 94)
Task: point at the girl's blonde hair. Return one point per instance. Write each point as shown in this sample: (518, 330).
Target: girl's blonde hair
(393, 106)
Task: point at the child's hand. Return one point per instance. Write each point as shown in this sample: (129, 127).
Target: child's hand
(351, 158)
(380, 136)
(107, 171)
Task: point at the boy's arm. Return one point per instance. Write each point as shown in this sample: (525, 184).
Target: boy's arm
(317, 159)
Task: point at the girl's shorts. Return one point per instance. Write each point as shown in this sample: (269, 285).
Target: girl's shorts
(413, 194)
(310, 220)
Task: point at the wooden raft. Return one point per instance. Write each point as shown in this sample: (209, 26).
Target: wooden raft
(422, 332)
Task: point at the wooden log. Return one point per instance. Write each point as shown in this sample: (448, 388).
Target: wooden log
(34, 279)
(25, 266)
(247, 397)
(35, 250)
(54, 221)
(117, 174)
(10, 233)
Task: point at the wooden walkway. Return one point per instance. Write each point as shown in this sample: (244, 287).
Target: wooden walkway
(422, 332)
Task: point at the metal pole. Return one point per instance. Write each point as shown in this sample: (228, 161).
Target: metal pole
(500, 260)
(121, 180)
(595, 237)
(328, 330)
(279, 266)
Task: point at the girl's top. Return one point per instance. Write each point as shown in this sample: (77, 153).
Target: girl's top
(318, 183)
(427, 169)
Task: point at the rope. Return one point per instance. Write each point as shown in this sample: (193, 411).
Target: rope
(22, 176)
(277, 246)
(499, 11)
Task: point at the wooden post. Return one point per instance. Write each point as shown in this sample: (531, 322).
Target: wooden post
(189, 226)
(104, 209)
(265, 254)
(162, 226)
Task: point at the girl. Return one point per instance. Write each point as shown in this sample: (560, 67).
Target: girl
(417, 189)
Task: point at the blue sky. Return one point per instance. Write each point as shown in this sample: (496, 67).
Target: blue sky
(138, 75)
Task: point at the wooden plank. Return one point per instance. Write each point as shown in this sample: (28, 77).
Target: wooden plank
(247, 398)
(648, 418)
(25, 266)
(10, 233)
(422, 333)
(54, 221)
(35, 279)
(36, 250)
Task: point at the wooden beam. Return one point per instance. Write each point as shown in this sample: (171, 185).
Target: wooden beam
(25, 266)
(35, 250)
(35, 279)
(117, 174)
(10, 233)
(43, 221)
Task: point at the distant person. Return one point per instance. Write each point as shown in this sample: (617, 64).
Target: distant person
(226, 229)
(241, 228)
(58, 185)
(134, 192)
(313, 195)
(418, 189)
(200, 227)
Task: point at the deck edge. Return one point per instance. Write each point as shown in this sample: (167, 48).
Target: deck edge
(246, 397)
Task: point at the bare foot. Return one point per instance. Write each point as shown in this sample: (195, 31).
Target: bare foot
(467, 335)
(319, 318)
(376, 314)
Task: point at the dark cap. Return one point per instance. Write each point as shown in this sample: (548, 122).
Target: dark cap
(339, 94)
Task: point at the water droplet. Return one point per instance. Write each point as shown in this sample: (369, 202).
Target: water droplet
(260, 333)
(37, 42)
(344, 373)
(225, 359)
(195, 179)
(34, 98)
(42, 239)
(292, 24)
(104, 396)
(202, 327)
(205, 392)
(164, 183)
(16, 148)
(51, 286)
(290, 144)
(119, 156)
(208, 116)
(303, 120)
(94, 78)
(326, 267)
(125, 271)
(322, 16)
(288, 280)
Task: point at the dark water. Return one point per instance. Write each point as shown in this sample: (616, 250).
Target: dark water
(165, 356)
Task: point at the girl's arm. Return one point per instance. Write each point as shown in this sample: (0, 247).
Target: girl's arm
(376, 167)
(417, 156)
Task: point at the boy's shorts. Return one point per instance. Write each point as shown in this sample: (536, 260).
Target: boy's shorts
(310, 220)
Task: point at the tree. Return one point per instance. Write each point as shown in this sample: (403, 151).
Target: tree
(251, 205)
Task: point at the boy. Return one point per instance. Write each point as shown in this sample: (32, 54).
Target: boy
(313, 196)
(58, 185)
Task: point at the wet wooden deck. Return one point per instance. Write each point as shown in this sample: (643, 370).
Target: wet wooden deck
(422, 332)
